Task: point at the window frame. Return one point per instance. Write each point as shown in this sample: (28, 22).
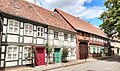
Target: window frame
(40, 32)
(72, 38)
(28, 29)
(12, 53)
(13, 26)
(65, 36)
(55, 34)
(26, 52)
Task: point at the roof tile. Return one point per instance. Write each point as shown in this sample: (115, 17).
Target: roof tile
(20, 8)
(79, 24)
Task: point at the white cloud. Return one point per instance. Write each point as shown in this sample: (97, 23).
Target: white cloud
(74, 7)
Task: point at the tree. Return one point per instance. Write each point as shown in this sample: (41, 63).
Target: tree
(64, 54)
(111, 18)
(48, 51)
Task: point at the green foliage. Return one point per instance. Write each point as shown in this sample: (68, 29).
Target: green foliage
(64, 54)
(111, 18)
(48, 49)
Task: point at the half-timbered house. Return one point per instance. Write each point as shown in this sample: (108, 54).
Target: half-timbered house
(60, 35)
(91, 42)
(23, 30)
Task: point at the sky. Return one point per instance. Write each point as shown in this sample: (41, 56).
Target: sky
(88, 10)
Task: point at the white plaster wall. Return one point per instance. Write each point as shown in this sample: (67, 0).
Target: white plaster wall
(5, 21)
(11, 64)
(66, 43)
(27, 39)
(26, 62)
(12, 38)
(2, 64)
(21, 32)
(2, 56)
(56, 42)
(4, 29)
(45, 35)
(3, 38)
(20, 61)
(21, 39)
(35, 33)
(51, 42)
(3, 49)
(34, 41)
(40, 41)
(51, 36)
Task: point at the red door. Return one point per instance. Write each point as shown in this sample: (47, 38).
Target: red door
(40, 56)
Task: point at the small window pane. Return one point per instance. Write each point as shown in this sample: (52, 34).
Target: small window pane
(41, 29)
(55, 34)
(11, 23)
(15, 49)
(65, 36)
(9, 56)
(14, 56)
(16, 24)
(10, 29)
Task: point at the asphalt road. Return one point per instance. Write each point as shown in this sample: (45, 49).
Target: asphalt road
(111, 64)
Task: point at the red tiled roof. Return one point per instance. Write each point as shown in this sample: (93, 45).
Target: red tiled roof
(79, 24)
(20, 8)
(53, 18)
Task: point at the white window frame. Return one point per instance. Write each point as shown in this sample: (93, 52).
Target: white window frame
(72, 37)
(40, 31)
(72, 52)
(65, 36)
(28, 29)
(26, 51)
(13, 26)
(55, 34)
(91, 37)
(12, 53)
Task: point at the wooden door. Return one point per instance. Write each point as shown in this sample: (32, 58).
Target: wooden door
(40, 56)
(83, 50)
(57, 55)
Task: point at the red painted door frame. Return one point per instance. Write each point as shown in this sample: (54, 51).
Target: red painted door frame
(39, 56)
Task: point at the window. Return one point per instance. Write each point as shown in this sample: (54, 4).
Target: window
(91, 49)
(55, 34)
(40, 31)
(72, 37)
(72, 52)
(65, 36)
(12, 53)
(28, 29)
(90, 37)
(13, 26)
(26, 52)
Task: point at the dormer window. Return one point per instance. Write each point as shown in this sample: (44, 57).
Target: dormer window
(13, 26)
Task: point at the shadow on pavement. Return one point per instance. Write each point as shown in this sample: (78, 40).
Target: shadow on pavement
(110, 58)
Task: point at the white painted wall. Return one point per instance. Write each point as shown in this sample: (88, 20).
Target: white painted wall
(12, 38)
(11, 64)
(27, 39)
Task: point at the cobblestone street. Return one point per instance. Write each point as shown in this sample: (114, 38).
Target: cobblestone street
(112, 64)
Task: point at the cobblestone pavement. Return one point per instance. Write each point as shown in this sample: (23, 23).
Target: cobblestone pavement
(111, 64)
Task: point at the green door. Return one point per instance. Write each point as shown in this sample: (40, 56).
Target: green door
(102, 51)
(57, 55)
